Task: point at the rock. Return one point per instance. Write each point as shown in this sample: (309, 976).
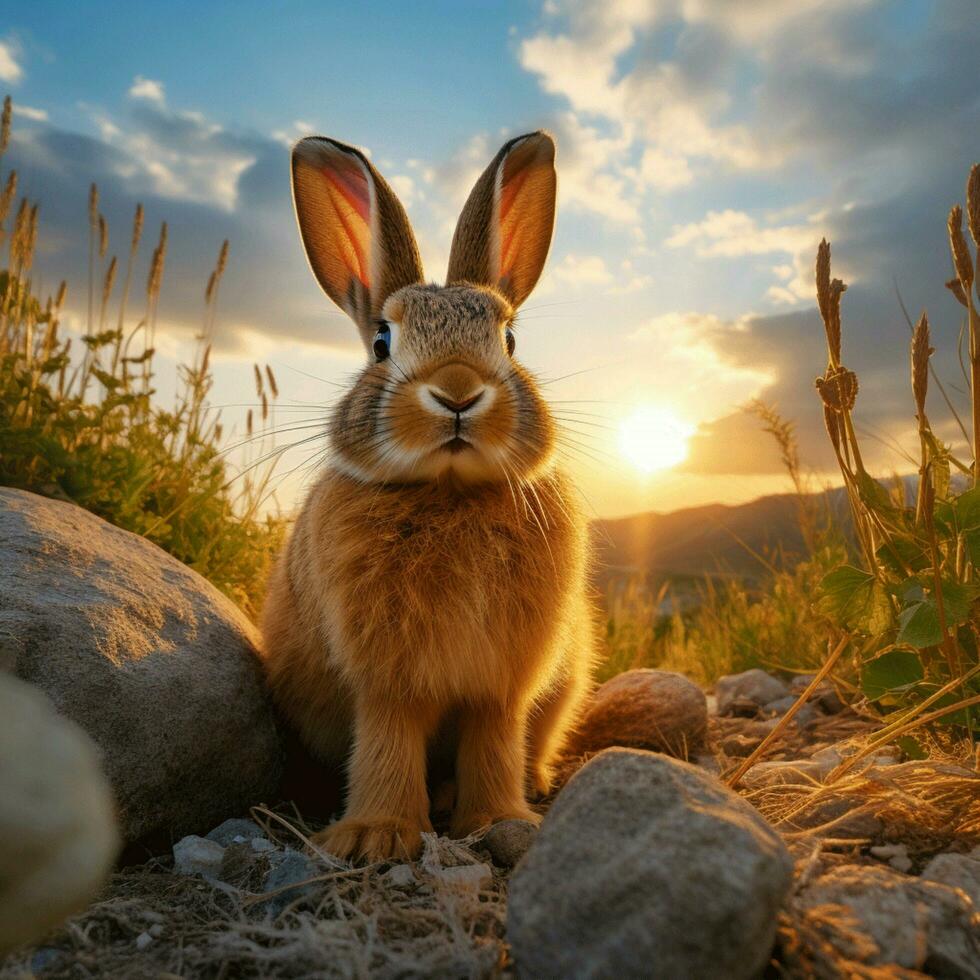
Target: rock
(644, 708)
(508, 841)
(919, 925)
(237, 860)
(143, 941)
(400, 876)
(260, 845)
(778, 773)
(235, 831)
(740, 745)
(830, 702)
(472, 878)
(58, 834)
(646, 866)
(156, 665)
(957, 871)
(753, 685)
(798, 683)
(741, 708)
(781, 705)
(292, 868)
(897, 855)
(197, 856)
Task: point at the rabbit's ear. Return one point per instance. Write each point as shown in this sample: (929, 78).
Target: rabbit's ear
(355, 231)
(504, 232)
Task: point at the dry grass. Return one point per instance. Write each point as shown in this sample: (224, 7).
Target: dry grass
(348, 923)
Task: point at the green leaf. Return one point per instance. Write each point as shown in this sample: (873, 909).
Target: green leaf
(892, 671)
(971, 542)
(919, 625)
(873, 494)
(856, 599)
(912, 747)
(958, 601)
(901, 554)
(967, 509)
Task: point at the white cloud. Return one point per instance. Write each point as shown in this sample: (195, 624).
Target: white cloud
(179, 154)
(10, 67)
(147, 88)
(736, 234)
(582, 270)
(733, 233)
(684, 346)
(29, 112)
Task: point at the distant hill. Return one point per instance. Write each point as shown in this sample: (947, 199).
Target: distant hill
(714, 539)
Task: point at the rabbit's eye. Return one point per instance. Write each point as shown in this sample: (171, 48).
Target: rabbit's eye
(382, 342)
(511, 341)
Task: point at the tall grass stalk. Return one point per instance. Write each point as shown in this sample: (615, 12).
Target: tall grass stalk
(916, 601)
(86, 427)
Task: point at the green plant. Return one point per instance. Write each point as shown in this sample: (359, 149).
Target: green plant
(913, 606)
(87, 427)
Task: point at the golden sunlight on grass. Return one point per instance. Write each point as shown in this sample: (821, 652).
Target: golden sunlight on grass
(653, 438)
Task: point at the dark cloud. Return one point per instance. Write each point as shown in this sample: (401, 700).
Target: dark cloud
(224, 185)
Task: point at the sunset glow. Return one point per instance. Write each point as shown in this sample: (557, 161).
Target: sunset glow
(654, 438)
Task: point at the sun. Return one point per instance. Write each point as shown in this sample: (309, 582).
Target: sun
(654, 438)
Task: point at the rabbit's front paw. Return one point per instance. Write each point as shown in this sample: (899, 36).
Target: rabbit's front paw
(374, 839)
(465, 823)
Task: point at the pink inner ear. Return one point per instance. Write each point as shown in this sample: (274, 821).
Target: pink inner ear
(350, 195)
(509, 223)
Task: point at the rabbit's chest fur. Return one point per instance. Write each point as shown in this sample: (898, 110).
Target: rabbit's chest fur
(442, 595)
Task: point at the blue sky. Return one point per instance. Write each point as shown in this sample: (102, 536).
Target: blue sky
(704, 149)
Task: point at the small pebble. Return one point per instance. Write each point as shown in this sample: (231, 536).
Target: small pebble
(143, 940)
(260, 844)
(197, 855)
(156, 931)
(400, 876)
(466, 878)
(897, 855)
(235, 831)
(508, 841)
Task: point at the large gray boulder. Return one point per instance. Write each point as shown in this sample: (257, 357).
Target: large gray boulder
(647, 867)
(155, 664)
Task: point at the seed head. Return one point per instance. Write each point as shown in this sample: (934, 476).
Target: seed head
(103, 236)
(956, 288)
(110, 278)
(838, 389)
(258, 380)
(137, 228)
(921, 352)
(959, 248)
(5, 123)
(829, 293)
(272, 381)
(59, 301)
(7, 197)
(973, 202)
(93, 205)
(832, 421)
(222, 259)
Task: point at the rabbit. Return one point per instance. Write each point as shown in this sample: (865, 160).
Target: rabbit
(434, 583)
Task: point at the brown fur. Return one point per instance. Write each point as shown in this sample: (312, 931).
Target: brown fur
(433, 597)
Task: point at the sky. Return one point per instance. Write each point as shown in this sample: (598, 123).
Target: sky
(704, 148)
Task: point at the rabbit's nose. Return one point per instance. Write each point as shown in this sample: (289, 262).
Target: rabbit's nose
(456, 386)
(455, 406)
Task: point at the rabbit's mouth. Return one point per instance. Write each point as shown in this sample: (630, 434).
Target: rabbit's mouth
(456, 445)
